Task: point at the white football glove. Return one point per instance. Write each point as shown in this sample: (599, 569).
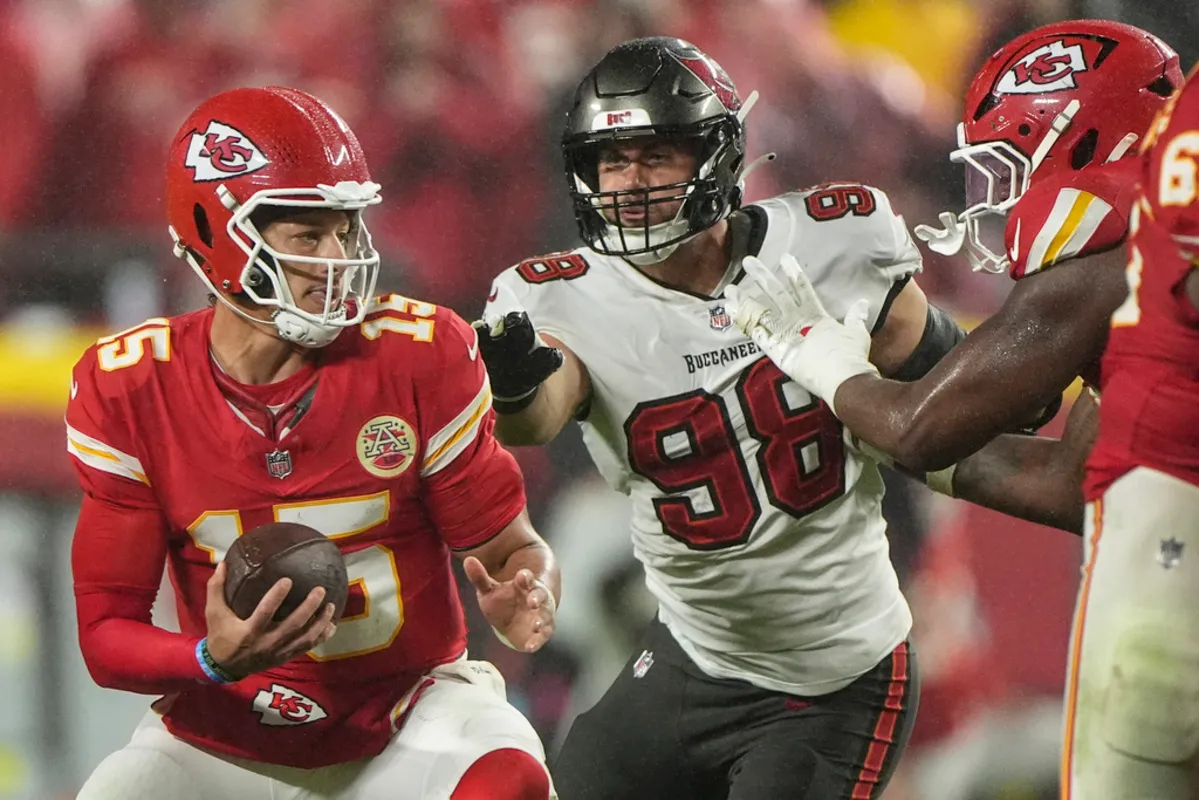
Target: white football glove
(788, 322)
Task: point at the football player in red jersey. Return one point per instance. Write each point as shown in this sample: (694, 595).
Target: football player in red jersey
(298, 397)
(1132, 721)
(1049, 125)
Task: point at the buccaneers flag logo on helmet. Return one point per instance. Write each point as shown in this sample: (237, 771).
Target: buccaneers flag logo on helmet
(222, 152)
(713, 76)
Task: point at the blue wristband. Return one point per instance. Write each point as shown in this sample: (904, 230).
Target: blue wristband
(209, 665)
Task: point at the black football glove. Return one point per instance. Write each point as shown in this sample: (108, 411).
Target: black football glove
(517, 360)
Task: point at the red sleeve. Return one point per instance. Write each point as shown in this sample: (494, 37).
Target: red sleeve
(104, 448)
(119, 549)
(117, 557)
(473, 487)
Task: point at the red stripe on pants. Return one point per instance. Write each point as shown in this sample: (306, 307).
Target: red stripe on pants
(884, 729)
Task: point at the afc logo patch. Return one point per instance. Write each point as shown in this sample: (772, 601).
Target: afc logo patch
(282, 705)
(386, 446)
(1051, 67)
(222, 152)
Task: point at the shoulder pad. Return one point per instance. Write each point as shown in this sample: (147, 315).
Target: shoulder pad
(1071, 215)
(838, 199)
(122, 360)
(414, 320)
(846, 223)
(848, 240)
(567, 265)
(546, 287)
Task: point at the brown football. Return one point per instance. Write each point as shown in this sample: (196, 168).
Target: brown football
(262, 556)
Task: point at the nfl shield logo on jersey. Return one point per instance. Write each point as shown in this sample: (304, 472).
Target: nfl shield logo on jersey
(1170, 555)
(719, 318)
(278, 463)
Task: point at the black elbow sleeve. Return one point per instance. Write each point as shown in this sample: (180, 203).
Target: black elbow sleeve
(941, 334)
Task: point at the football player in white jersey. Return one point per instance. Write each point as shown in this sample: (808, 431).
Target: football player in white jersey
(779, 665)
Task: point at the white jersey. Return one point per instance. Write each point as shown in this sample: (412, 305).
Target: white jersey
(758, 523)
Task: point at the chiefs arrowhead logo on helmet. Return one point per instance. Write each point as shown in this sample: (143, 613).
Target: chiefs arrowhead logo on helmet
(1051, 67)
(222, 152)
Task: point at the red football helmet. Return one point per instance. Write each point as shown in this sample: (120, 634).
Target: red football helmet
(246, 149)
(1060, 97)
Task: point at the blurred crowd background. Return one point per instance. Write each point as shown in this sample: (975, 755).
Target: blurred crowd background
(459, 104)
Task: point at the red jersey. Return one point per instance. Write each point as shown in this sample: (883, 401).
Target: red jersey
(1069, 215)
(1151, 365)
(387, 449)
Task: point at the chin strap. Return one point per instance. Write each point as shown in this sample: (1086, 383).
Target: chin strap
(758, 162)
(297, 330)
(749, 103)
(1056, 128)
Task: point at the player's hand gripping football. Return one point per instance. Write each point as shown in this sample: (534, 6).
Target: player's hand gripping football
(517, 360)
(785, 318)
(245, 646)
(520, 611)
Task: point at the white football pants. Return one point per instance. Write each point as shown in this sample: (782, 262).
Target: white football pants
(1132, 690)
(462, 716)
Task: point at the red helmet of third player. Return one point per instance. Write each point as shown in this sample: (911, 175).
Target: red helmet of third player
(1061, 97)
(246, 156)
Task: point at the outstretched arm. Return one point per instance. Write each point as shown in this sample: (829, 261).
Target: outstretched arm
(539, 383)
(1006, 370)
(1036, 479)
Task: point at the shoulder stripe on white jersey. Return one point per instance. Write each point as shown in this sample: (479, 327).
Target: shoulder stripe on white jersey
(446, 445)
(98, 455)
(1075, 217)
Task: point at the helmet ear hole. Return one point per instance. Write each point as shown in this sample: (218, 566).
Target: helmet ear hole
(1084, 152)
(203, 228)
(257, 279)
(1162, 87)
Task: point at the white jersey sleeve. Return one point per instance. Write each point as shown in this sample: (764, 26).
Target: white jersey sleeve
(849, 241)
